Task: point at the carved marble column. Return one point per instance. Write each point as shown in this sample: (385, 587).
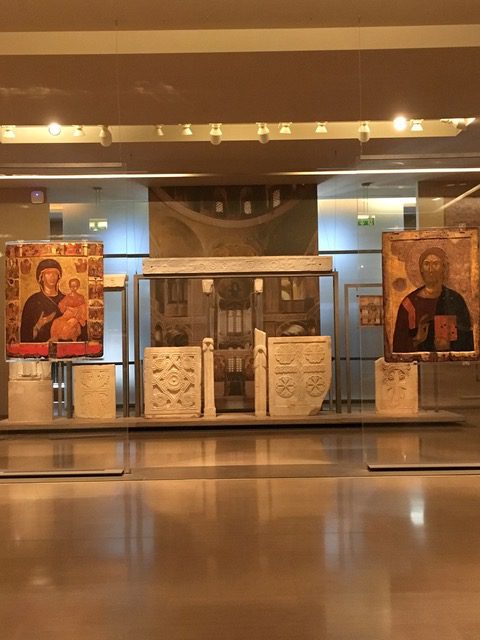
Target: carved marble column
(172, 382)
(396, 387)
(94, 391)
(299, 374)
(30, 391)
(260, 369)
(209, 410)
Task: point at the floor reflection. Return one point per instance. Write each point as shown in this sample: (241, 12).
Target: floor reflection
(321, 451)
(307, 558)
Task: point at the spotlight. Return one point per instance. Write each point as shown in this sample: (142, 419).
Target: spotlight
(105, 136)
(400, 123)
(417, 125)
(216, 133)
(186, 130)
(321, 127)
(364, 132)
(54, 129)
(9, 132)
(285, 128)
(159, 130)
(78, 131)
(263, 132)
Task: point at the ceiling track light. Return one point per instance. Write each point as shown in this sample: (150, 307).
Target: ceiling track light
(400, 123)
(216, 133)
(186, 130)
(9, 132)
(417, 125)
(285, 129)
(263, 132)
(461, 123)
(78, 131)
(54, 129)
(364, 132)
(105, 136)
(321, 127)
(159, 130)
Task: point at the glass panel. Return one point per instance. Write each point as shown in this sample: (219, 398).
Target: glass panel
(430, 274)
(58, 439)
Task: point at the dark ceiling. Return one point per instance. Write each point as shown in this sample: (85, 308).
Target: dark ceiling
(236, 86)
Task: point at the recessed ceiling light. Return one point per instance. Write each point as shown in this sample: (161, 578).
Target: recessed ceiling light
(400, 123)
(54, 129)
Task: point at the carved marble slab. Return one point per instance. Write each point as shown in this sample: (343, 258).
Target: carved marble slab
(299, 374)
(94, 391)
(30, 400)
(260, 372)
(172, 381)
(396, 387)
(30, 370)
(236, 264)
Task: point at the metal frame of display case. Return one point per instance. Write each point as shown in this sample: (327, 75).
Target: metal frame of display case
(346, 309)
(125, 350)
(208, 275)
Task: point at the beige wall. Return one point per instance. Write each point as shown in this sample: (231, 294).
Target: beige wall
(19, 220)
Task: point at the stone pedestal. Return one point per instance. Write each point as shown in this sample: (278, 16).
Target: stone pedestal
(94, 391)
(209, 410)
(172, 382)
(396, 387)
(30, 392)
(299, 374)
(260, 370)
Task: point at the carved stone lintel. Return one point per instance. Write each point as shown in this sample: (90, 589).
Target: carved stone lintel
(209, 410)
(172, 382)
(94, 391)
(299, 374)
(396, 387)
(236, 265)
(260, 372)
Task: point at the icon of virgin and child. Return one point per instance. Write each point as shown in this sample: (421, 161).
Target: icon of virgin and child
(51, 315)
(434, 317)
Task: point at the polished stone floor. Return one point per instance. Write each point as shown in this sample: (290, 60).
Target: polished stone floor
(241, 534)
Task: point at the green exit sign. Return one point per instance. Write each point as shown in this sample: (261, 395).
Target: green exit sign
(365, 221)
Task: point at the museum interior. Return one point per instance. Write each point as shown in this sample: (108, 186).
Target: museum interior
(240, 320)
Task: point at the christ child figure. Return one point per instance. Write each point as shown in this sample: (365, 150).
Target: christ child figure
(71, 324)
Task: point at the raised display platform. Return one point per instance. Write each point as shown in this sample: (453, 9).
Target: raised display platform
(325, 418)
